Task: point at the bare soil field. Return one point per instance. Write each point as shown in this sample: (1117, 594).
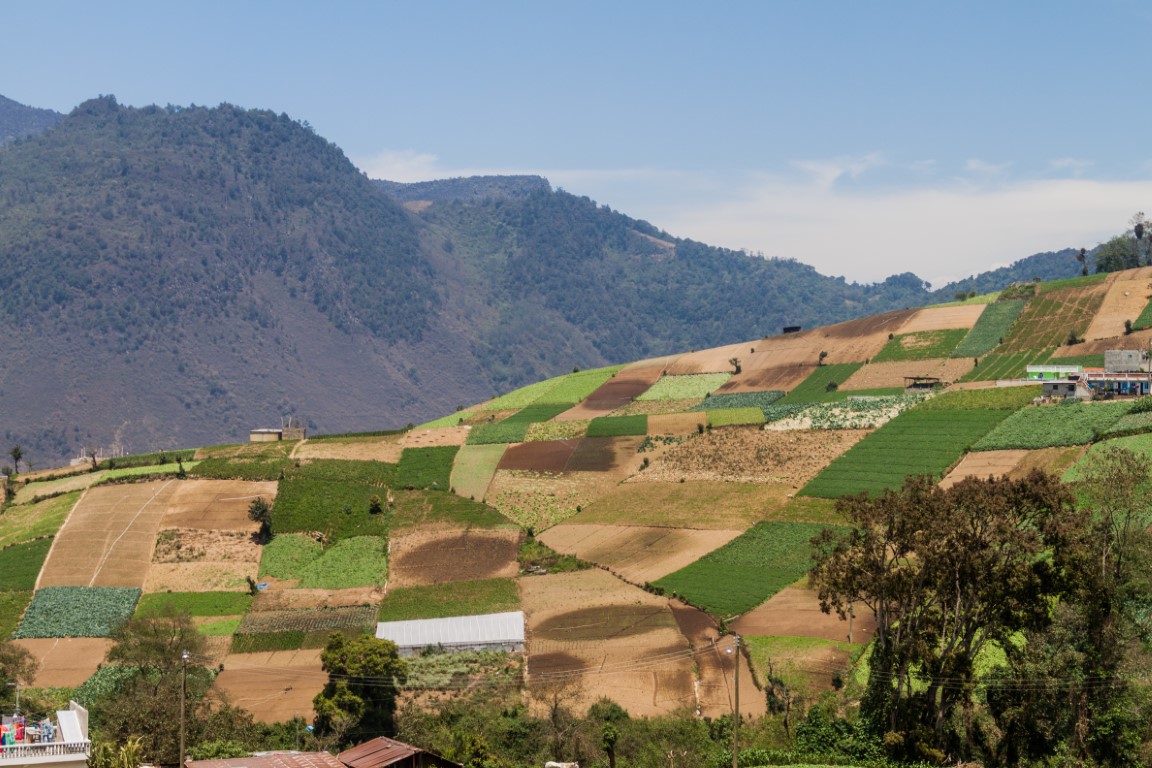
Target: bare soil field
(715, 660)
(66, 662)
(943, 318)
(891, 374)
(711, 360)
(275, 686)
(983, 464)
(219, 505)
(625, 640)
(1125, 300)
(199, 577)
(795, 612)
(377, 450)
(197, 560)
(751, 455)
(701, 504)
(543, 456)
(636, 554)
(615, 457)
(108, 538)
(428, 438)
(437, 557)
(616, 392)
(782, 377)
(676, 423)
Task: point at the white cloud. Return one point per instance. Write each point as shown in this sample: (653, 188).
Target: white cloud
(403, 165)
(983, 168)
(1070, 165)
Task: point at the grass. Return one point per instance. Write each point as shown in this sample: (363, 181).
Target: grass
(747, 570)
(617, 426)
(12, 607)
(536, 556)
(460, 598)
(31, 521)
(991, 399)
(576, 386)
(924, 345)
(501, 433)
(814, 388)
(451, 420)
(1130, 424)
(1138, 444)
(146, 471)
(1049, 426)
(916, 442)
(194, 603)
(426, 467)
(782, 652)
(1144, 319)
(697, 504)
(149, 459)
(993, 326)
(20, 565)
(222, 468)
(361, 561)
(413, 508)
(474, 467)
(1071, 282)
(221, 628)
(537, 413)
(287, 555)
(685, 387)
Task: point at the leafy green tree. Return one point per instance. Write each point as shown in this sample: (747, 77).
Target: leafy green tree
(17, 453)
(260, 511)
(363, 676)
(946, 573)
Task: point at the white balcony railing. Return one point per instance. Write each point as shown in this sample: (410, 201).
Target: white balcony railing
(12, 752)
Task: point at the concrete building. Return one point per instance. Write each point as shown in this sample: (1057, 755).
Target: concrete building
(63, 742)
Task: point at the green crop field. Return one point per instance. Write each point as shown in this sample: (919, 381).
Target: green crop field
(535, 413)
(853, 413)
(1130, 424)
(685, 387)
(223, 468)
(20, 565)
(1010, 365)
(262, 642)
(554, 430)
(149, 459)
(288, 554)
(25, 522)
(459, 598)
(1144, 319)
(916, 442)
(12, 607)
(194, 603)
(747, 570)
(520, 398)
(733, 416)
(814, 389)
(924, 345)
(618, 426)
(426, 467)
(993, 326)
(991, 399)
(574, 387)
(1049, 319)
(1048, 426)
(413, 508)
(361, 561)
(333, 496)
(500, 433)
(451, 420)
(740, 400)
(1071, 282)
(77, 611)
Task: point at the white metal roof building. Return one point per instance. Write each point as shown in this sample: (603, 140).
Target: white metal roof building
(486, 632)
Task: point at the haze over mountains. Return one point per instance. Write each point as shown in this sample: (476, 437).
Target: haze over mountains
(177, 276)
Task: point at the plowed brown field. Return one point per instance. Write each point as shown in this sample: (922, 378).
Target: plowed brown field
(429, 438)
(711, 360)
(943, 318)
(635, 553)
(218, 505)
(795, 612)
(885, 375)
(66, 662)
(274, 687)
(108, 538)
(542, 456)
(983, 464)
(351, 450)
(714, 664)
(437, 557)
(1125, 300)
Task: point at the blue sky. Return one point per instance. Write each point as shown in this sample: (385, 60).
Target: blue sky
(862, 138)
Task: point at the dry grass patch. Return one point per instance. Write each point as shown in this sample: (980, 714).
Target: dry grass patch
(892, 374)
(31, 491)
(384, 449)
(751, 455)
(199, 577)
(626, 642)
(65, 662)
(676, 423)
(216, 504)
(635, 553)
(713, 360)
(698, 505)
(274, 686)
(539, 500)
(473, 468)
(432, 438)
(277, 598)
(656, 407)
(1052, 460)
(1136, 340)
(436, 557)
(196, 560)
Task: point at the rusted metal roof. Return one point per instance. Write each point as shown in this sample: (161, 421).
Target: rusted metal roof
(378, 753)
(273, 760)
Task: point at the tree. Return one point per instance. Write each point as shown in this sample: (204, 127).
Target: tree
(946, 572)
(17, 453)
(363, 676)
(260, 511)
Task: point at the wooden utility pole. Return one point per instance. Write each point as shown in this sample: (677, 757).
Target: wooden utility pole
(736, 702)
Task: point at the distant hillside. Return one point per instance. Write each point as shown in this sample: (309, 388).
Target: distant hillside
(18, 121)
(1041, 266)
(472, 188)
(177, 276)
